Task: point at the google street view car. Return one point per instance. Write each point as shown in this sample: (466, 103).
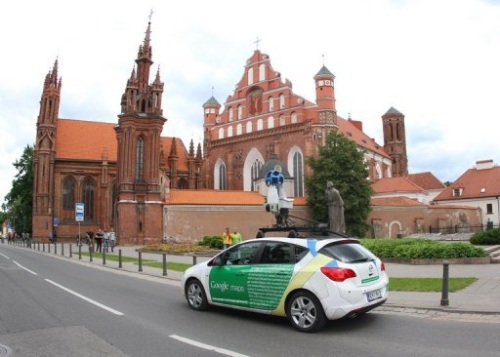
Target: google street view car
(307, 280)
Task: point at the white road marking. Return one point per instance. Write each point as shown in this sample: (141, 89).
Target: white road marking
(207, 347)
(20, 266)
(3, 255)
(102, 306)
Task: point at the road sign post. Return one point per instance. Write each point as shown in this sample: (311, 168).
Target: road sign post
(79, 217)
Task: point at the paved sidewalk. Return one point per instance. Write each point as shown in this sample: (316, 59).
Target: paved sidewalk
(482, 297)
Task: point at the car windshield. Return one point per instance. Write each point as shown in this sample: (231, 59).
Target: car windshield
(347, 252)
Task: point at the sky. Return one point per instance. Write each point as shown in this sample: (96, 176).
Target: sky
(437, 62)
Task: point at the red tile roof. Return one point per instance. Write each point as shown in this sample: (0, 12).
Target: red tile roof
(426, 180)
(90, 140)
(474, 184)
(399, 201)
(351, 129)
(395, 184)
(85, 140)
(181, 150)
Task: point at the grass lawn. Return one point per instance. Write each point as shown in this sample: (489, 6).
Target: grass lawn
(145, 262)
(395, 284)
(428, 284)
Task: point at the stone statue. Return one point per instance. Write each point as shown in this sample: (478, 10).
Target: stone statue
(336, 221)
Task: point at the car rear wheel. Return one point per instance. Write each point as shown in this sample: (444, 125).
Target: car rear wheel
(195, 295)
(305, 313)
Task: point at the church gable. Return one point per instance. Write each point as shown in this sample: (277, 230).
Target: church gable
(262, 98)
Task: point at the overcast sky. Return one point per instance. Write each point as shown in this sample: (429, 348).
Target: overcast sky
(436, 61)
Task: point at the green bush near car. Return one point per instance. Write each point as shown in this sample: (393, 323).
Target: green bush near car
(410, 248)
(212, 242)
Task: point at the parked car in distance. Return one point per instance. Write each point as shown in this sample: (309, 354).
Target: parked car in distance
(308, 280)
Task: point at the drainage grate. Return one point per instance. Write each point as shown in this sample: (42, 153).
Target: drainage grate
(5, 351)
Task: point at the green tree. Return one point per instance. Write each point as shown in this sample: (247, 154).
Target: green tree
(341, 162)
(20, 198)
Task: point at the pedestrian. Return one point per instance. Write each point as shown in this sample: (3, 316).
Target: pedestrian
(112, 239)
(98, 241)
(106, 241)
(236, 236)
(227, 240)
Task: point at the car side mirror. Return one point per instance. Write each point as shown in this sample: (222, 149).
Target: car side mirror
(217, 261)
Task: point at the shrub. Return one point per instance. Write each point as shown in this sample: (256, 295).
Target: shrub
(490, 237)
(212, 242)
(421, 249)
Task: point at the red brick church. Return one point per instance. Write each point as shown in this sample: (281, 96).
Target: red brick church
(124, 171)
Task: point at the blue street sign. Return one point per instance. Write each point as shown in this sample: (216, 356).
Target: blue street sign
(79, 212)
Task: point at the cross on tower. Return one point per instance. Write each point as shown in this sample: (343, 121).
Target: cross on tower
(257, 40)
(150, 15)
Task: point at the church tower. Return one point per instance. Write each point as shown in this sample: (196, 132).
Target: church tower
(139, 203)
(395, 141)
(326, 119)
(44, 156)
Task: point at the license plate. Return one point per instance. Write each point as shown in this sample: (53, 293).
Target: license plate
(374, 295)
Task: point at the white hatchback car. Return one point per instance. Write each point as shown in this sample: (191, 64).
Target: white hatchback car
(307, 280)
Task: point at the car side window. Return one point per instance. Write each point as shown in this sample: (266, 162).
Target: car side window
(245, 253)
(277, 253)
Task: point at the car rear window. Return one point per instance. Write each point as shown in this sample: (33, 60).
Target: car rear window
(347, 252)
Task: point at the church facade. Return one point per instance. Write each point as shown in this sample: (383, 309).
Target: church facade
(263, 119)
(121, 172)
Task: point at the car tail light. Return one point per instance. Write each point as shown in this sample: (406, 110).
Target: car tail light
(382, 266)
(338, 274)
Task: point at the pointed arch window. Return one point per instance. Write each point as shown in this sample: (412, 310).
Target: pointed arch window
(68, 198)
(88, 198)
(139, 159)
(222, 178)
(220, 175)
(255, 174)
(298, 174)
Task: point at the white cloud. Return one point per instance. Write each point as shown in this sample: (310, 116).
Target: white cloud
(435, 61)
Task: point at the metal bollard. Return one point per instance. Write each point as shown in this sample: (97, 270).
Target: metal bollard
(446, 276)
(164, 264)
(79, 252)
(194, 259)
(90, 255)
(104, 257)
(43, 246)
(48, 246)
(120, 258)
(62, 249)
(55, 248)
(70, 250)
(140, 261)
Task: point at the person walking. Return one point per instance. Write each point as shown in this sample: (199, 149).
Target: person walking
(227, 240)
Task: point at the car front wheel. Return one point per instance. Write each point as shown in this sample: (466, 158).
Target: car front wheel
(195, 295)
(305, 313)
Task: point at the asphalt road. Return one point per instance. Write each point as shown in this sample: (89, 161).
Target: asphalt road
(56, 307)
